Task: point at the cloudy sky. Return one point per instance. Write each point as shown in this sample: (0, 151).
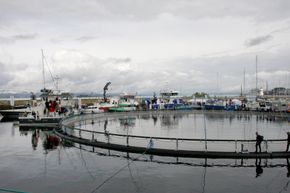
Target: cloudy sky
(144, 45)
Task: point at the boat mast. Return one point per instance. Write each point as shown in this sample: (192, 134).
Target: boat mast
(217, 82)
(244, 81)
(43, 72)
(256, 72)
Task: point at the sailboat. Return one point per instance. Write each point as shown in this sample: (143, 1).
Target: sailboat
(53, 106)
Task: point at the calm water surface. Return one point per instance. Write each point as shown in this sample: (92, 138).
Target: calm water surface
(31, 164)
(187, 124)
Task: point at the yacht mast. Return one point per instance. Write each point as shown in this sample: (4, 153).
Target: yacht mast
(43, 72)
(256, 72)
(244, 81)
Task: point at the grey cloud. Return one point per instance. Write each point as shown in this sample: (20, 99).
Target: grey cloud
(72, 11)
(57, 40)
(85, 38)
(24, 36)
(5, 78)
(119, 60)
(215, 74)
(258, 40)
(209, 74)
(5, 40)
(4, 74)
(13, 39)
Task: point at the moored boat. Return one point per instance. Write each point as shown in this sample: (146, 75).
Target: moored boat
(49, 111)
(214, 105)
(170, 100)
(110, 103)
(46, 122)
(125, 103)
(13, 114)
(91, 109)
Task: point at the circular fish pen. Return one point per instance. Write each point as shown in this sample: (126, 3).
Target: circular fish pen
(200, 134)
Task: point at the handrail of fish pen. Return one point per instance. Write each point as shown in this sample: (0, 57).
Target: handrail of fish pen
(238, 145)
(190, 144)
(170, 138)
(284, 116)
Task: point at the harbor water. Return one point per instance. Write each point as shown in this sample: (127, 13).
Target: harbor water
(34, 160)
(191, 124)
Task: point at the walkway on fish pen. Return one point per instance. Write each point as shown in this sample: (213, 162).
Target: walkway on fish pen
(165, 146)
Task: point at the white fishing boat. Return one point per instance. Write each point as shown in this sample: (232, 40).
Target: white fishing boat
(50, 109)
(279, 105)
(111, 103)
(92, 109)
(170, 100)
(126, 102)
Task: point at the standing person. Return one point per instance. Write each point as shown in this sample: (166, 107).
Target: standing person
(47, 107)
(288, 141)
(259, 139)
(51, 108)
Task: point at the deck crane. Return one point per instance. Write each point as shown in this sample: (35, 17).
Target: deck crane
(105, 90)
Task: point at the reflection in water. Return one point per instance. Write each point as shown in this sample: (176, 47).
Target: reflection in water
(105, 125)
(126, 124)
(288, 168)
(127, 121)
(144, 116)
(256, 164)
(186, 176)
(34, 139)
(202, 162)
(205, 163)
(51, 142)
(170, 120)
(259, 169)
(201, 170)
(106, 131)
(185, 124)
(155, 118)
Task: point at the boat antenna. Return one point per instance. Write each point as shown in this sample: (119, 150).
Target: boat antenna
(43, 71)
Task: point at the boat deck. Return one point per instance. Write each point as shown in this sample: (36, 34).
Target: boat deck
(42, 122)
